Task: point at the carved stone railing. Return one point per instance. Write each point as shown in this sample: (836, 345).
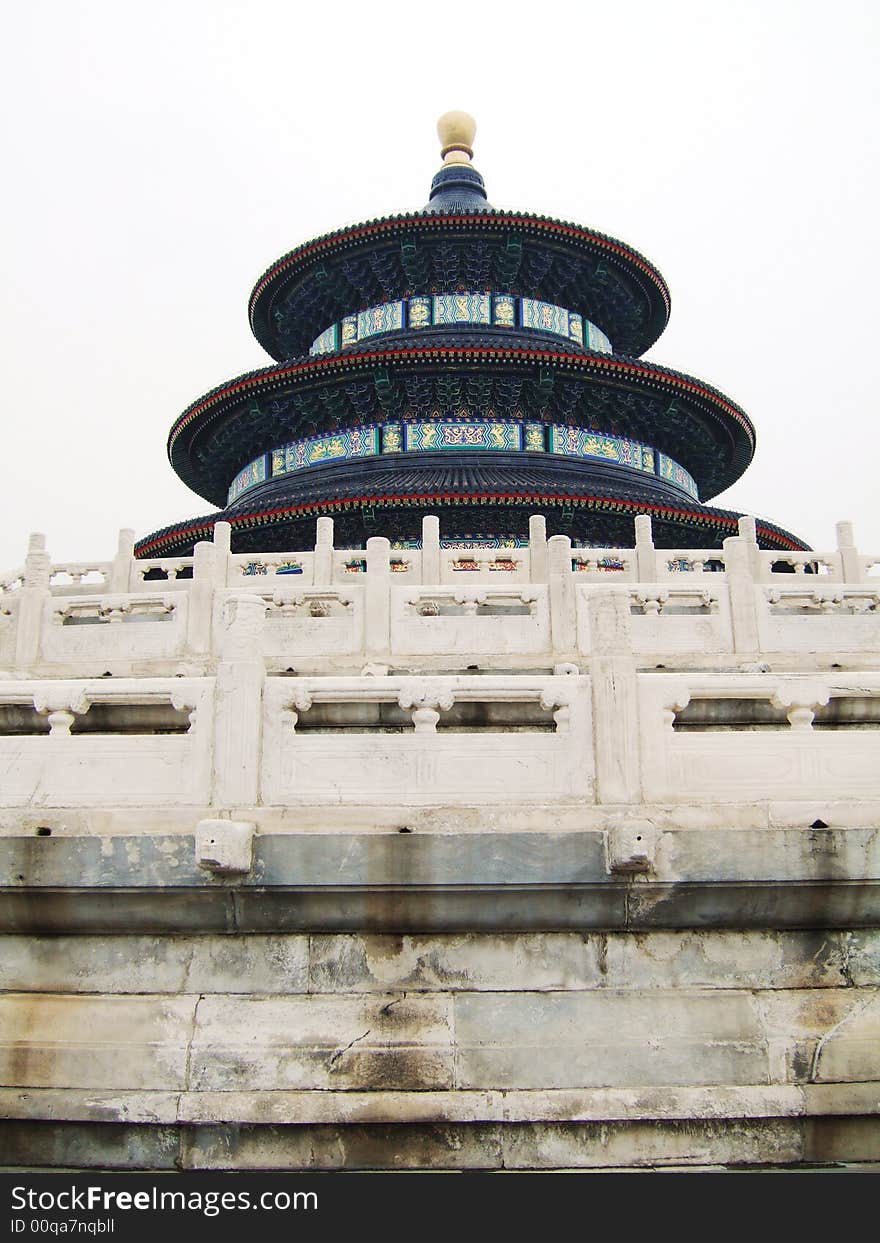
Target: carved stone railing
(381, 603)
(613, 736)
(733, 738)
(129, 757)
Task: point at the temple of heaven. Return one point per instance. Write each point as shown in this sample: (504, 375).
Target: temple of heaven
(478, 364)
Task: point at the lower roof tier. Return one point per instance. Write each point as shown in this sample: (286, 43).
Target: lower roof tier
(477, 497)
(397, 443)
(217, 437)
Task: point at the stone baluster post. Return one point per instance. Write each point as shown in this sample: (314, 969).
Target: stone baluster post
(614, 687)
(120, 574)
(646, 556)
(431, 550)
(563, 628)
(31, 602)
(322, 566)
(747, 530)
(209, 572)
(377, 599)
(738, 567)
(222, 553)
(538, 557)
(238, 703)
(850, 564)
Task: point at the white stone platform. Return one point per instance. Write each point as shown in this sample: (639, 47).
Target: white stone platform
(528, 858)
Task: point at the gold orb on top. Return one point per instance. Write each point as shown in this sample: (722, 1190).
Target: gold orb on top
(456, 131)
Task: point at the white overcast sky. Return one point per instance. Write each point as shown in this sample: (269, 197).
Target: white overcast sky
(158, 157)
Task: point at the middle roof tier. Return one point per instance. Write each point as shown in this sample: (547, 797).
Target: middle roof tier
(492, 375)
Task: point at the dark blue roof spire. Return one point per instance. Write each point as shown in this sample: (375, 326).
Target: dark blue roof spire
(458, 188)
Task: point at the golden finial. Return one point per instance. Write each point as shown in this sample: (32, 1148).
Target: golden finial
(456, 131)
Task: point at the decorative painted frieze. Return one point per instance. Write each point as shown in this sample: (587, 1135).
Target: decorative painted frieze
(464, 307)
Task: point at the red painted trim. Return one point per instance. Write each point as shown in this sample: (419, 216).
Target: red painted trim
(601, 503)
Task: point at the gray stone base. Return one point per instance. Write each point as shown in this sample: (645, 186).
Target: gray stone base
(405, 1146)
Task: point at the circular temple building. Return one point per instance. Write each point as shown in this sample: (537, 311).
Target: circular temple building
(477, 364)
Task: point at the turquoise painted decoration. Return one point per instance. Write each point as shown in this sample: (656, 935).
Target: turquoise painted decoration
(467, 307)
(348, 331)
(544, 316)
(355, 442)
(248, 477)
(462, 308)
(420, 312)
(580, 442)
(534, 439)
(385, 318)
(392, 438)
(504, 310)
(487, 541)
(670, 470)
(596, 340)
(422, 437)
(327, 342)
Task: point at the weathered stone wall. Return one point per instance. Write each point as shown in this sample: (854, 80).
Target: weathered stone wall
(527, 1050)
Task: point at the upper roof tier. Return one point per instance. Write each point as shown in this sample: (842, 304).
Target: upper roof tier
(458, 241)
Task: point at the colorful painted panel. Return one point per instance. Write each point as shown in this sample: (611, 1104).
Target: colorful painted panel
(504, 310)
(467, 307)
(596, 339)
(670, 470)
(578, 442)
(252, 474)
(326, 342)
(392, 438)
(462, 308)
(421, 437)
(385, 318)
(349, 332)
(469, 541)
(534, 439)
(544, 316)
(356, 442)
(489, 541)
(419, 312)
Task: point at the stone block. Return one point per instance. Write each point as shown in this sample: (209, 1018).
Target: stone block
(378, 1147)
(620, 1063)
(225, 846)
(483, 962)
(99, 1042)
(719, 958)
(828, 1140)
(322, 1042)
(626, 1145)
(155, 964)
(607, 1038)
(630, 846)
(102, 1146)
